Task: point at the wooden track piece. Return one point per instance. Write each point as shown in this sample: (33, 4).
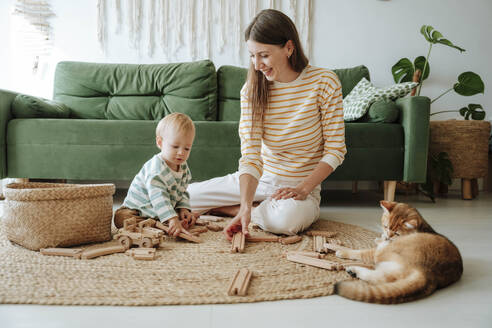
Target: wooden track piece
(142, 253)
(198, 230)
(214, 227)
(212, 218)
(181, 235)
(253, 238)
(101, 250)
(200, 222)
(327, 234)
(290, 240)
(240, 283)
(319, 263)
(319, 244)
(315, 255)
(237, 244)
(71, 252)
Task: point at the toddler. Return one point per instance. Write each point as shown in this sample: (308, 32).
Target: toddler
(159, 190)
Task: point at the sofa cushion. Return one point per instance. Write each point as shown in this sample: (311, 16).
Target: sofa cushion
(381, 111)
(25, 106)
(137, 92)
(230, 80)
(349, 77)
(374, 152)
(86, 149)
(355, 105)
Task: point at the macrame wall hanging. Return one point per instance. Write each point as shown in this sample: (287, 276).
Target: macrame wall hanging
(200, 28)
(33, 30)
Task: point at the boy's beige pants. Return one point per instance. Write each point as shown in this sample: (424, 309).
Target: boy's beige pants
(285, 216)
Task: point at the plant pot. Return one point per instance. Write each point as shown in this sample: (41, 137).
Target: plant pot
(467, 145)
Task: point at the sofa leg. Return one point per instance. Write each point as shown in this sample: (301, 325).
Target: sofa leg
(354, 187)
(389, 190)
(467, 189)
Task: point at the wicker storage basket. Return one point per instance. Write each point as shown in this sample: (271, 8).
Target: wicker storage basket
(39, 215)
(467, 144)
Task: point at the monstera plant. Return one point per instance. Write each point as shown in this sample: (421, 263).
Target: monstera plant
(468, 84)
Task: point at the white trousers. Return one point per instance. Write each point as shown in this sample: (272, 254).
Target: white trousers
(284, 216)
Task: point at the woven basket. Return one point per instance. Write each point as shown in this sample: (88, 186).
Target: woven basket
(467, 144)
(39, 215)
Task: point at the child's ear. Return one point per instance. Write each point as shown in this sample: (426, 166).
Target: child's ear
(158, 142)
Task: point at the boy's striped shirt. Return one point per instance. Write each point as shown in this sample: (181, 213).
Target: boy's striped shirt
(302, 126)
(157, 191)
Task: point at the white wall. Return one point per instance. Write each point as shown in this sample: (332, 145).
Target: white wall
(344, 33)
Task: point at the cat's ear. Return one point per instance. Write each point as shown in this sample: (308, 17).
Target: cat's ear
(387, 206)
(411, 224)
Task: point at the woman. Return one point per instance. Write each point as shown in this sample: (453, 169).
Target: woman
(292, 136)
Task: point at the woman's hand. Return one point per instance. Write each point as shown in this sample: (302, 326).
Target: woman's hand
(296, 193)
(239, 223)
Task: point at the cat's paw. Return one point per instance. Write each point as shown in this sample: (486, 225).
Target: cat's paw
(341, 253)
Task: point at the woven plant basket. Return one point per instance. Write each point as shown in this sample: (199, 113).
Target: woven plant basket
(467, 144)
(39, 215)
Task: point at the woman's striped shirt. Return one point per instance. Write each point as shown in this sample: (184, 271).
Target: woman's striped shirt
(302, 125)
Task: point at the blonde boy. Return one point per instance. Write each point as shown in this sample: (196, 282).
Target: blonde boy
(159, 190)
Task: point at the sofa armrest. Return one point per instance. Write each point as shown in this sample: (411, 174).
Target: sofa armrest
(414, 117)
(6, 98)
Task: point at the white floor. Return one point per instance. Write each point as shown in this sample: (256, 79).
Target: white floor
(467, 303)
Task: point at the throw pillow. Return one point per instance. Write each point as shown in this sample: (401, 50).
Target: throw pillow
(364, 94)
(381, 111)
(358, 100)
(25, 106)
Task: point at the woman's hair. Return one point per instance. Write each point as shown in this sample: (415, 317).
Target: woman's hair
(178, 123)
(270, 27)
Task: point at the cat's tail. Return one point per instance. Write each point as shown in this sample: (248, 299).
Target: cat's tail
(412, 287)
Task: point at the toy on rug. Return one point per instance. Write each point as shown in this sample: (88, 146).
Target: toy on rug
(240, 283)
(142, 253)
(142, 234)
(191, 238)
(237, 243)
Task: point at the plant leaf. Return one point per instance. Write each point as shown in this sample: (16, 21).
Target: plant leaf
(403, 71)
(434, 36)
(469, 84)
(474, 110)
(419, 63)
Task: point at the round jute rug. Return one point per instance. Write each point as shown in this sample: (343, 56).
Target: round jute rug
(183, 273)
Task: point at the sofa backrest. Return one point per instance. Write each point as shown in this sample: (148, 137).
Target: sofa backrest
(137, 92)
(231, 79)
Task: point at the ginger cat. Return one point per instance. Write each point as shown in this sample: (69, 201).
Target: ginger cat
(411, 260)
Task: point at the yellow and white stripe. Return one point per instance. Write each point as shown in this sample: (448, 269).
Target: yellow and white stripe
(302, 125)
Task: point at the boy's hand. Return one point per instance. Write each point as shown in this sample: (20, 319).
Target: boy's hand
(175, 227)
(187, 218)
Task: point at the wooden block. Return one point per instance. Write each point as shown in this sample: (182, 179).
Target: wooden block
(200, 222)
(101, 250)
(319, 263)
(327, 234)
(198, 230)
(212, 218)
(315, 255)
(290, 240)
(71, 252)
(237, 244)
(214, 227)
(319, 244)
(181, 235)
(253, 238)
(142, 253)
(240, 283)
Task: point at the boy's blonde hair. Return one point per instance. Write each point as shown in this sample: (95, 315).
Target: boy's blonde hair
(177, 122)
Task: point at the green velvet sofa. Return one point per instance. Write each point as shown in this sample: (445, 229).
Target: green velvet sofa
(109, 131)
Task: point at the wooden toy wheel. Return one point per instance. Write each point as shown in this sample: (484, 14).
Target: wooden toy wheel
(125, 241)
(146, 242)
